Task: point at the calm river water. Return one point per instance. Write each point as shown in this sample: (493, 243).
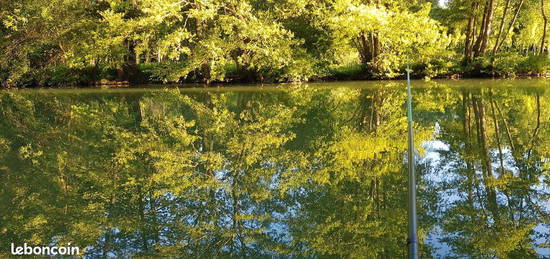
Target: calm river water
(301, 171)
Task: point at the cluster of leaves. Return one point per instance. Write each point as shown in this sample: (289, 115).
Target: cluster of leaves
(403, 36)
(286, 40)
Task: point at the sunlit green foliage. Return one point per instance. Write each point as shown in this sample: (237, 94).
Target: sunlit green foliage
(401, 35)
(68, 42)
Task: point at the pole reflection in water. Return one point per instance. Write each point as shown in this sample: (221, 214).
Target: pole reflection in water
(412, 241)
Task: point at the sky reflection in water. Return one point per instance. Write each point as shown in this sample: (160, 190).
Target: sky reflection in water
(303, 171)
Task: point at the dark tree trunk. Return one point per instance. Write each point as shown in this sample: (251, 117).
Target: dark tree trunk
(470, 33)
(485, 30)
(479, 110)
(467, 125)
(486, 167)
(510, 27)
(497, 136)
(537, 127)
(368, 46)
(545, 23)
(501, 26)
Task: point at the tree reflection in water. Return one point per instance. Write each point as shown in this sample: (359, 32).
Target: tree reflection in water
(286, 172)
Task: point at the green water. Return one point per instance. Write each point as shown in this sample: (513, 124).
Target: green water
(314, 171)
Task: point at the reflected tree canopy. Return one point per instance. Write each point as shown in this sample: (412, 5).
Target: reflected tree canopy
(287, 172)
(496, 170)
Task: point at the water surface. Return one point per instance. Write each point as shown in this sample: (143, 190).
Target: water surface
(315, 171)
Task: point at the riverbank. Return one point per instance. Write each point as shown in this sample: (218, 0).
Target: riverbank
(61, 76)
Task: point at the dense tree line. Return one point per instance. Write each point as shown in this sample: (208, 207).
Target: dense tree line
(78, 41)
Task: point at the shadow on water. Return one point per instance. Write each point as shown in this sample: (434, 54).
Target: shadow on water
(299, 171)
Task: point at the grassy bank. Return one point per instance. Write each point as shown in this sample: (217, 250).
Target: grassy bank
(508, 65)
